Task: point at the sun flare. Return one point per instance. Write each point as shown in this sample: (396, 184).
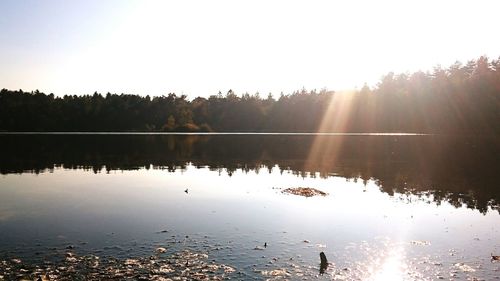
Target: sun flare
(324, 151)
(393, 268)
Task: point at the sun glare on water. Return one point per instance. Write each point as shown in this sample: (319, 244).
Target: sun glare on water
(393, 267)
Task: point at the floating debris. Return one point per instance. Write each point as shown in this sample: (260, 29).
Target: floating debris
(73, 267)
(131, 262)
(304, 191)
(161, 250)
(275, 272)
(420, 243)
(70, 257)
(463, 267)
(227, 269)
(495, 258)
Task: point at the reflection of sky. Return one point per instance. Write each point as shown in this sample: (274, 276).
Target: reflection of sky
(247, 208)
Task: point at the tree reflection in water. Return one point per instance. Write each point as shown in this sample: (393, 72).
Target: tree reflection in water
(457, 169)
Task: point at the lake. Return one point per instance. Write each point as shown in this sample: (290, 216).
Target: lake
(192, 207)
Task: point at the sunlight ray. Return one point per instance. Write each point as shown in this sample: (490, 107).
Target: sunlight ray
(324, 152)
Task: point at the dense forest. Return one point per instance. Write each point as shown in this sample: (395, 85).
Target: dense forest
(463, 98)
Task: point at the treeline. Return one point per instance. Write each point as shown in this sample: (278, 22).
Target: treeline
(463, 98)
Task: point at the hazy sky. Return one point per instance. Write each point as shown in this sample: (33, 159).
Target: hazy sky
(200, 47)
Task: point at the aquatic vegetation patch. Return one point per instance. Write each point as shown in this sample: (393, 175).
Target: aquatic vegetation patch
(184, 265)
(304, 191)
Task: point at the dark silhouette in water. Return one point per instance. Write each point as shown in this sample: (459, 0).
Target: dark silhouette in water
(494, 258)
(324, 263)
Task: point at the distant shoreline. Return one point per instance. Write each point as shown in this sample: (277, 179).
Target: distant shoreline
(216, 133)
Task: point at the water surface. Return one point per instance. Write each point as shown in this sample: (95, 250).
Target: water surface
(399, 207)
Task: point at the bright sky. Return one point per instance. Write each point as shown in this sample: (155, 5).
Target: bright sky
(198, 47)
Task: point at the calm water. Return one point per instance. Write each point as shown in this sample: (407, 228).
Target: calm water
(398, 207)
